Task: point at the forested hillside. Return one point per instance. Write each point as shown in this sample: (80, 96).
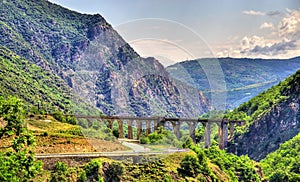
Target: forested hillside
(244, 78)
(272, 117)
(41, 90)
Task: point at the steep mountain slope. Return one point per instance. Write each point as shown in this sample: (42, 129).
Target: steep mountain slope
(272, 117)
(284, 163)
(90, 56)
(244, 78)
(35, 86)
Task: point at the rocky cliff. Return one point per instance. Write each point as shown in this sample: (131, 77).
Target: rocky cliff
(93, 59)
(274, 125)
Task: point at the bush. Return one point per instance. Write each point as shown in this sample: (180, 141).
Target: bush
(144, 140)
(93, 167)
(189, 166)
(155, 137)
(113, 171)
(59, 116)
(82, 177)
(60, 173)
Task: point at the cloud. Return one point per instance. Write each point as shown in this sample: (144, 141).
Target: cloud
(283, 42)
(273, 13)
(248, 43)
(252, 12)
(289, 26)
(259, 13)
(267, 25)
(274, 49)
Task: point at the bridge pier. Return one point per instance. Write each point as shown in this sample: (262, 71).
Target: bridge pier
(130, 134)
(192, 128)
(148, 127)
(176, 128)
(110, 124)
(231, 125)
(120, 129)
(223, 133)
(139, 129)
(207, 131)
(156, 123)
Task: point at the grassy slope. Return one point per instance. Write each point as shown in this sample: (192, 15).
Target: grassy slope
(56, 137)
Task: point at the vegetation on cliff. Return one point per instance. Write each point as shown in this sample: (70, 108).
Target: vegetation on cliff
(263, 103)
(284, 163)
(271, 118)
(42, 91)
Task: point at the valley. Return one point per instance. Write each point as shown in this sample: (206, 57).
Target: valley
(80, 103)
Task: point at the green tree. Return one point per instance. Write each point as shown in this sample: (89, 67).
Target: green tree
(17, 162)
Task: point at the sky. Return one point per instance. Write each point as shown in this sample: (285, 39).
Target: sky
(178, 30)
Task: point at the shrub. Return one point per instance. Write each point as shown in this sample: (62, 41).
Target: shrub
(82, 177)
(60, 173)
(59, 116)
(144, 140)
(189, 166)
(113, 171)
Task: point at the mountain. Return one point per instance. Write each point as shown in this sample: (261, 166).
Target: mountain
(272, 118)
(39, 89)
(244, 78)
(94, 61)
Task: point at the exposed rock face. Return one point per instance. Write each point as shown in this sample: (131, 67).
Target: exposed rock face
(278, 125)
(90, 56)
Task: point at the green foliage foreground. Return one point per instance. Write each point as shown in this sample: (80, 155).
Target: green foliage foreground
(197, 165)
(17, 162)
(203, 166)
(284, 163)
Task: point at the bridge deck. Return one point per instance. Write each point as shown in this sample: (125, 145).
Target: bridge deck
(155, 118)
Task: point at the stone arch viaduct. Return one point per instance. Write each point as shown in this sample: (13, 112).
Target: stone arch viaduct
(149, 124)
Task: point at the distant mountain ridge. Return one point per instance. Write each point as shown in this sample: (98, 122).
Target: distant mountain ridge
(244, 78)
(89, 55)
